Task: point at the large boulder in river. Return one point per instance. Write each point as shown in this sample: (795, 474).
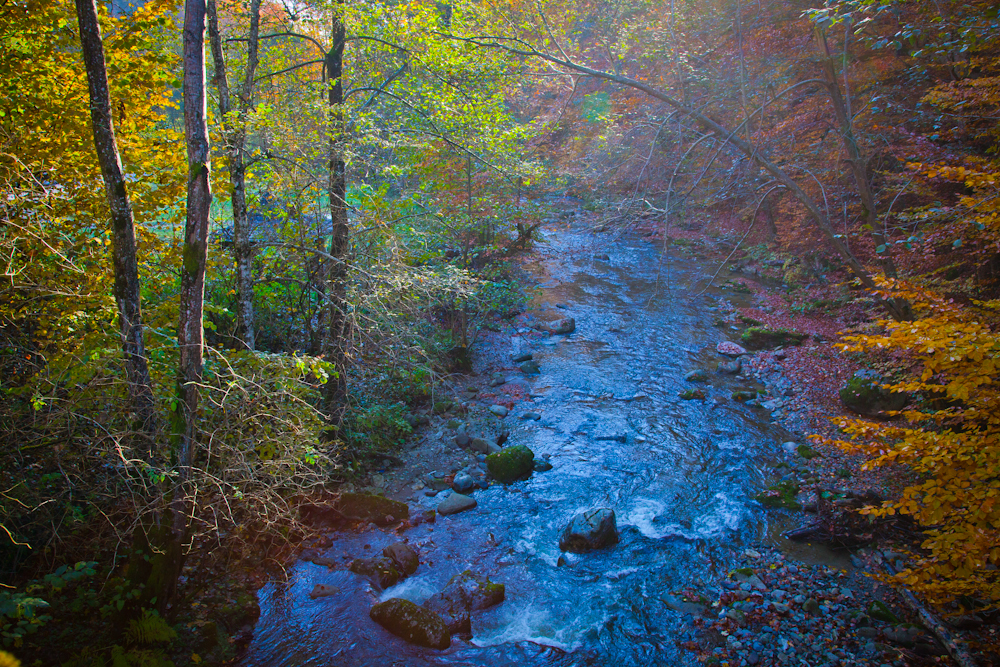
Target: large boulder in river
(413, 623)
(383, 572)
(465, 593)
(590, 530)
(357, 507)
(864, 394)
(511, 464)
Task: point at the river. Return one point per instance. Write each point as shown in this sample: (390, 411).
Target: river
(680, 475)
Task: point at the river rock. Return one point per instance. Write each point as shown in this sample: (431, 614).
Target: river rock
(730, 349)
(492, 448)
(590, 530)
(463, 482)
(413, 623)
(511, 464)
(497, 379)
(499, 410)
(530, 368)
(698, 375)
(465, 593)
(323, 590)
(361, 507)
(404, 556)
(462, 439)
(731, 367)
(565, 325)
(456, 503)
(541, 465)
(479, 445)
(532, 416)
(519, 358)
(383, 572)
(864, 394)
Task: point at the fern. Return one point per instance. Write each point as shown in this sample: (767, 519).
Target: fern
(148, 630)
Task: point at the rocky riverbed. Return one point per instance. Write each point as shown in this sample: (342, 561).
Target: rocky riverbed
(557, 421)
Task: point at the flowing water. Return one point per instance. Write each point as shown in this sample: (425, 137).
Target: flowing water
(679, 474)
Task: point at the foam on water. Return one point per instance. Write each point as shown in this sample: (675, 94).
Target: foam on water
(415, 589)
(531, 624)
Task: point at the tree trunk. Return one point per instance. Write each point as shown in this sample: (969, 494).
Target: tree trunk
(126, 269)
(234, 136)
(858, 164)
(336, 276)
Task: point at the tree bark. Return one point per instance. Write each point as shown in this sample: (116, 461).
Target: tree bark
(123, 249)
(190, 332)
(234, 136)
(336, 275)
(858, 164)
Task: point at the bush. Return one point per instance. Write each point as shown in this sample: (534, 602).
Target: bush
(955, 448)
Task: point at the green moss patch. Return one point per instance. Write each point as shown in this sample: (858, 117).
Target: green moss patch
(511, 464)
(763, 337)
(781, 495)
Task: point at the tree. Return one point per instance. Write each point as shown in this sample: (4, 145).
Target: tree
(125, 262)
(234, 133)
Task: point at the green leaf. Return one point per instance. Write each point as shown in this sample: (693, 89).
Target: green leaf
(957, 243)
(880, 249)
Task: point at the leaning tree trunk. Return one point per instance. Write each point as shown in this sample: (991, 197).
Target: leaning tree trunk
(336, 276)
(234, 136)
(126, 269)
(858, 165)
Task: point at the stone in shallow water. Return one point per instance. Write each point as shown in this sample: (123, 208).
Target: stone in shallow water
(564, 326)
(456, 503)
(404, 556)
(465, 593)
(590, 530)
(519, 358)
(499, 410)
(511, 464)
(323, 590)
(413, 623)
(729, 348)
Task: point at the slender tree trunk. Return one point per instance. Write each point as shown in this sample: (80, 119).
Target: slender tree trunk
(234, 133)
(126, 291)
(336, 277)
(858, 164)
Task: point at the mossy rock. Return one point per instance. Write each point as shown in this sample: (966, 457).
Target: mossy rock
(806, 452)
(866, 396)
(369, 507)
(511, 464)
(692, 394)
(744, 395)
(442, 407)
(413, 623)
(780, 495)
(763, 337)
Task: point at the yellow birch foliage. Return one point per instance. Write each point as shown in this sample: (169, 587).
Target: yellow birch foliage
(951, 437)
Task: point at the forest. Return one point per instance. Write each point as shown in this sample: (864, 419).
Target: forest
(250, 247)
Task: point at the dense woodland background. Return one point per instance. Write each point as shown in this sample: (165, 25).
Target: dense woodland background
(367, 170)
